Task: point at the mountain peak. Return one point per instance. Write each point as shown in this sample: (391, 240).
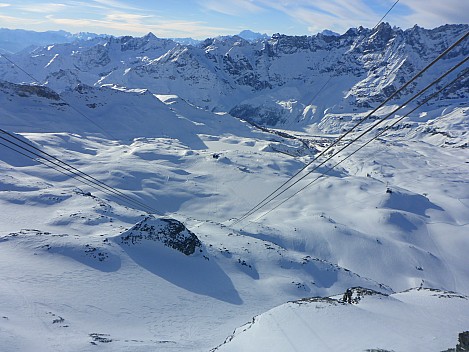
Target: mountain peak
(251, 36)
(329, 33)
(150, 35)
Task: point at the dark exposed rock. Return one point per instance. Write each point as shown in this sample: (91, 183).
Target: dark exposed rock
(357, 294)
(328, 300)
(463, 344)
(102, 338)
(261, 115)
(172, 233)
(26, 90)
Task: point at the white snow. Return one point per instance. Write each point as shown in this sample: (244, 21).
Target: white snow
(415, 320)
(393, 217)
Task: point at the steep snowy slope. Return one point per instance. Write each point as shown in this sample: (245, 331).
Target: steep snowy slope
(63, 66)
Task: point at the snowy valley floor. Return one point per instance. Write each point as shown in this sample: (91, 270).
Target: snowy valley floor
(393, 217)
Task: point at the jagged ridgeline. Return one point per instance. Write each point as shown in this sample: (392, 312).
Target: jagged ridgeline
(282, 80)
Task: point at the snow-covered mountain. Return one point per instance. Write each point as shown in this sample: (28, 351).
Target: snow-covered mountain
(279, 81)
(252, 36)
(83, 269)
(330, 33)
(245, 34)
(15, 40)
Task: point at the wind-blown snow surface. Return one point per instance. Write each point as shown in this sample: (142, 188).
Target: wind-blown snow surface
(77, 271)
(68, 284)
(414, 320)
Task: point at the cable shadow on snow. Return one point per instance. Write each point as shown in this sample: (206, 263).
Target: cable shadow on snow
(195, 273)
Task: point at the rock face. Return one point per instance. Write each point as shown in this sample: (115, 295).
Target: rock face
(170, 232)
(25, 90)
(357, 294)
(463, 344)
(463, 341)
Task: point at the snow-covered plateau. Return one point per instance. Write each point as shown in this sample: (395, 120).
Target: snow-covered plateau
(201, 134)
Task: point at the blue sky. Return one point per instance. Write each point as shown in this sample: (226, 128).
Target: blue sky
(208, 18)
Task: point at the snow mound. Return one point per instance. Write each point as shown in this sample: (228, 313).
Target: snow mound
(170, 232)
(398, 322)
(84, 250)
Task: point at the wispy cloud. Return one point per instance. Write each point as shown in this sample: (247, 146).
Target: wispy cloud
(17, 21)
(431, 13)
(107, 16)
(191, 17)
(116, 5)
(43, 8)
(339, 15)
(79, 6)
(125, 23)
(126, 18)
(316, 15)
(231, 7)
(86, 5)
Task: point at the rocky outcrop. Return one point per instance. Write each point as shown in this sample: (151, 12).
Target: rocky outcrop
(170, 232)
(463, 344)
(25, 90)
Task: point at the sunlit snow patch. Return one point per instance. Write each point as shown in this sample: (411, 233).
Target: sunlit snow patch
(372, 322)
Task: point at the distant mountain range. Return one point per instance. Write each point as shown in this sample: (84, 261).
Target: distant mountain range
(277, 81)
(14, 40)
